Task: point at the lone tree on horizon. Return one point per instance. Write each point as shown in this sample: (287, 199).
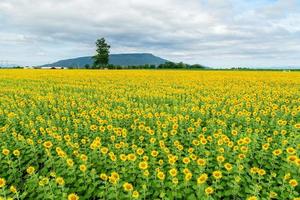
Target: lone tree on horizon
(101, 58)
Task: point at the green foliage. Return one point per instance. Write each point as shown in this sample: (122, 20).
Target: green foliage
(102, 56)
(171, 65)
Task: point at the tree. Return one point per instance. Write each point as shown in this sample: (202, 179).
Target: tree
(102, 54)
(87, 66)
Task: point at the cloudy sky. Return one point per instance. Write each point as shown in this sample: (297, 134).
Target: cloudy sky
(219, 33)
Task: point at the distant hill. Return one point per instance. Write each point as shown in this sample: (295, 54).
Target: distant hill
(132, 59)
(8, 65)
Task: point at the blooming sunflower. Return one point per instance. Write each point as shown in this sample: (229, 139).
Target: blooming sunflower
(30, 170)
(127, 187)
(209, 190)
(293, 182)
(202, 178)
(143, 165)
(2, 182)
(217, 174)
(161, 175)
(73, 196)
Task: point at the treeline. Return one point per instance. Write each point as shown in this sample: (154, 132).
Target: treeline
(167, 65)
(181, 65)
(14, 67)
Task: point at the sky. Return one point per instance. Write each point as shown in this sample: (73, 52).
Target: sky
(216, 33)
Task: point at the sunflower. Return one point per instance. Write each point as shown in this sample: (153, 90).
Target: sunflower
(93, 127)
(146, 173)
(188, 176)
(172, 161)
(60, 181)
(2, 182)
(186, 160)
(202, 178)
(209, 190)
(287, 176)
(244, 149)
(203, 141)
(190, 129)
(123, 157)
(30, 170)
(186, 171)
(193, 157)
(277, 152)
(13, 189)
(160, 175)
(173, 172)
(114, 178)
(145, 158)
(73, 196)
(70, 162)
(5, 152)
(127, 187)
(131, 157)
(290, 150)
(221, 150)
(273, 195)
(242, 156)
(292, 158)
(143, 165)
(293, 182)
(48, 144)
(103, 176)
(234, 132)
(196, 142)
(217, 174)
(83, 157)
(228, 166)
(175, 181)
(44, 181)
(16, 153)
(135, 194)
(104, 150)
(113, 157)
(53, 174)
(201, 162)
(82, 168)
(254, 170)
(154, 153)
(265, 146)
(220, 159)
(261, 172)
(140, 151)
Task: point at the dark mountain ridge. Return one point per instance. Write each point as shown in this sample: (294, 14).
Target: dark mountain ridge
(129, 59)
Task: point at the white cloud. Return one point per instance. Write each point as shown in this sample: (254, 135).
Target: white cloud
(9, 38)
(211, 32)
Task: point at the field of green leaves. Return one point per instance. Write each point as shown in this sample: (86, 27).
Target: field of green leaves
(79, 134)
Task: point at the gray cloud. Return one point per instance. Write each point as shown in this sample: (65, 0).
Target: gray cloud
(211, 32)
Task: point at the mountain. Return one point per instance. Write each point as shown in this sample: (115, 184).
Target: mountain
(131, 59)
(8, 65)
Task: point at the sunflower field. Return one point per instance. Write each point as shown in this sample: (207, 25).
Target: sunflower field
(80, 134)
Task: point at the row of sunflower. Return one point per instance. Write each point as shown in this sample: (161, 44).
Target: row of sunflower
(82, 134)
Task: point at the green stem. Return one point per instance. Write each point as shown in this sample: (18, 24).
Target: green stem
(3, 191)
(52, 194)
